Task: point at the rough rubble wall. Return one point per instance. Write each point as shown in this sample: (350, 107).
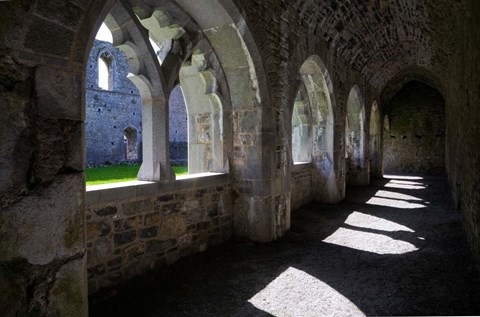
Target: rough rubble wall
(128, 237)
(415, 141)
(301, 186)
(42, 258)
(463, 128)
(110, 112)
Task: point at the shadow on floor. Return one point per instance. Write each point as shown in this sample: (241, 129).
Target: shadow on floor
(394, 248)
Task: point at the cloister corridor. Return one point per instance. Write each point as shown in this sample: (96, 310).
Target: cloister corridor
(396, 247)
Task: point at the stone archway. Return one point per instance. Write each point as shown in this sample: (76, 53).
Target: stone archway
(319, 88)
(301, 128)
(356, 164)
(375, 143)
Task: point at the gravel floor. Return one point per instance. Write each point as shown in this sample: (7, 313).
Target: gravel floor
(394, 248)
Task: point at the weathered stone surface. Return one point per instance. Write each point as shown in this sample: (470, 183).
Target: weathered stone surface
(47, 37)
(45, 225)
(183, 224)
(66, 13)
(59, 94)
(149, 232)
(414, 141)
(124, 238)
(107, 211)
(136, 207)
(69, 291)
(156, 246)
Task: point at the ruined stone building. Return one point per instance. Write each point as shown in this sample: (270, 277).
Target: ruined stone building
(287, 105)
(113, 123)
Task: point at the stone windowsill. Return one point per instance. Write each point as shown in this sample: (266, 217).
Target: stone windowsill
(107, 193)
(300, 166)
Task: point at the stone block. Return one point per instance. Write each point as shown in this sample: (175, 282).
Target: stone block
(165, 198)
(47, 225)
(102, 248)
(172, 227)
(59, 94)
(170, 209)
(151, 219)
(133, 251)
(157, 246)
(68, 295)
(127, 224)
(97, 229)
(107, 211)
(66, 13)
(124, 238)
(148, 232)
(136, 207)
(48, 37)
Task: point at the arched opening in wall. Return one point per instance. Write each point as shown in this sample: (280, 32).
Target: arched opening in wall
(104, 75)
(113, 125)
(375, 143)
(356, 165)
(130, 140)
(313, 136)
(211, 61)
(386, 126)
(301, 128)
(415, 142)
(178, 128)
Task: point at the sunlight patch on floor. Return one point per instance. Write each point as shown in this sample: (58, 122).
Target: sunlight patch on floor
(362, 220)
(394, 203)
(297, 293)
(369, 242)
(396, 181)
(402, 177)
(404, 186)
(394, 195)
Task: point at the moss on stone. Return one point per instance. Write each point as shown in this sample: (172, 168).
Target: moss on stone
(74, 231)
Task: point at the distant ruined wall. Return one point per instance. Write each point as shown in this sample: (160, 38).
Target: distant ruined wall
(178, 128)
(415, 140)
(110, 112)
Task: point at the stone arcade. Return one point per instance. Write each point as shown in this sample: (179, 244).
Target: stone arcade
(288, 102)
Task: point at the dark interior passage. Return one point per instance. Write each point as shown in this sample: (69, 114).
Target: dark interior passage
(394, 248)
(414, 142)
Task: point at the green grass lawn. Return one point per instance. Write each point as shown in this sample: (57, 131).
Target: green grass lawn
(120, 173)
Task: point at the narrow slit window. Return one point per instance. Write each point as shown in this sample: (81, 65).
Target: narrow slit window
(104, 76)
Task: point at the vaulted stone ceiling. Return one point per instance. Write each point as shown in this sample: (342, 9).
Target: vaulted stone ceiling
(380, 38)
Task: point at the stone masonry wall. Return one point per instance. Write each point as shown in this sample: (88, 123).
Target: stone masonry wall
(301, 186)
(415, 142)
(127, 237)
(463, 128)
